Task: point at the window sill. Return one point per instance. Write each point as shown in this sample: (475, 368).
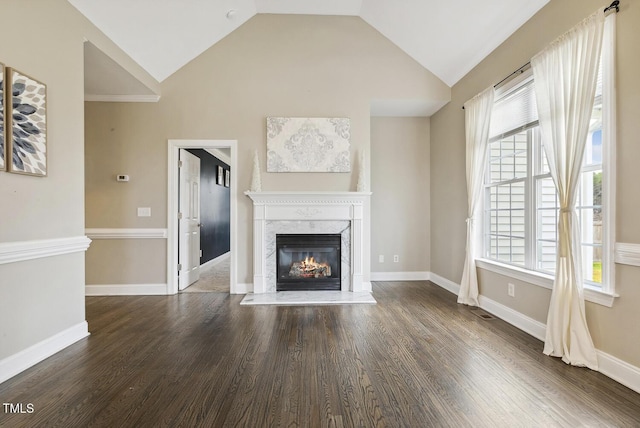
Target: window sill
(591, 294)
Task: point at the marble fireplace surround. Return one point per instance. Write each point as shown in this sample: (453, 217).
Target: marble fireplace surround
(308, 212)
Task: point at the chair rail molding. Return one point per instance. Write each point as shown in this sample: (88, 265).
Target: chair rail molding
(19, 251)
(627, 254)
(145, 233)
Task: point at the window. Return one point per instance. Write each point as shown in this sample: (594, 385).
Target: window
(521, 207)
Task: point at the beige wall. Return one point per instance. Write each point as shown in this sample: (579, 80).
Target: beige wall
(400, 201)
(609, 326)
(273, 65)
(42, 297)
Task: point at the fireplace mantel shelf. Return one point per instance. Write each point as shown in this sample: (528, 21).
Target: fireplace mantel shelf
(322, 197)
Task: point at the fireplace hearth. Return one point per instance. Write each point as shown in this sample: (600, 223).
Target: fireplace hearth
(308, 262)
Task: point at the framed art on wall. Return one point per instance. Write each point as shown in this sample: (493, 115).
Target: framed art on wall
(308, 144)
(220, 176)
(227, 178)
(26, 124)
(3, 151)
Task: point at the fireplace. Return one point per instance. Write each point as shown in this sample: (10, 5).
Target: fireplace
(282, 213)
(308, 262)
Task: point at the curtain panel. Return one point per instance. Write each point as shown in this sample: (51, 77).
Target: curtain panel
(477, 123)
(565, 75)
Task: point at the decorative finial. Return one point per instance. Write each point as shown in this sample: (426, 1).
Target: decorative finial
(362, 174)
(256, 181)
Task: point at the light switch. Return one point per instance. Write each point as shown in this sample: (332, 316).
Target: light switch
(144, 212)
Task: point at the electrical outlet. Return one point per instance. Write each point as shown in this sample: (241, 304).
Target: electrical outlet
(381, 258)
(511, 290)
(396, 258)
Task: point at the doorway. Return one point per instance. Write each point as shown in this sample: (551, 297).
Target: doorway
(229, 177)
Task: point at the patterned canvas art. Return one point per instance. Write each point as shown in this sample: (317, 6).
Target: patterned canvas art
(2, 144)
(26, 115)
(296, 144)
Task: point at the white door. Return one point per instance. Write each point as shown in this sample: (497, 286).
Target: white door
(189, 220)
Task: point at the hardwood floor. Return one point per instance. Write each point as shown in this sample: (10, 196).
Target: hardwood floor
(416, 359)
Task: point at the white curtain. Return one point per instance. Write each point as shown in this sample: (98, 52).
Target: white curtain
(565, 75)
(477, 115)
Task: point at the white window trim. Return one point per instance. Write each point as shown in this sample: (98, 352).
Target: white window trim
(591, 294)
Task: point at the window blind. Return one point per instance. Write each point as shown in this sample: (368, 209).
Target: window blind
(514, 111)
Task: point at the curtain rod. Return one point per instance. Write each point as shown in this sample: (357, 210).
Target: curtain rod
(615, 5)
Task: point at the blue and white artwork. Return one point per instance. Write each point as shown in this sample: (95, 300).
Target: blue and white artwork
(26, 115)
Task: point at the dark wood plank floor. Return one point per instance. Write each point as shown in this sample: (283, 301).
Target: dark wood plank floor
(417, 359)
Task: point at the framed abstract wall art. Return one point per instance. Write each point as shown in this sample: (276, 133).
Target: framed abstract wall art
(3, 155)
(300, 144)
(26, 124)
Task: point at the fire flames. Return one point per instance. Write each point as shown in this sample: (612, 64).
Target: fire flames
(310, 268)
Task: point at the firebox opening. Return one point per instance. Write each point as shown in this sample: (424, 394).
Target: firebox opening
(308, 262)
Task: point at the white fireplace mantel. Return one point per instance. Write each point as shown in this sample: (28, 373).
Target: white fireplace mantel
(329, 211)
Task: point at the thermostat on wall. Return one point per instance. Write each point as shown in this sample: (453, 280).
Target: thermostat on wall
(122, 177)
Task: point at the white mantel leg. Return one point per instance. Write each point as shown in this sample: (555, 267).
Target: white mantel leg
(259, 256)
(356, 249)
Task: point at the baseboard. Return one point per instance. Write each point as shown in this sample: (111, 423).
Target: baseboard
(448, 285)
(620, 371)
(216, 261)
(610, 366)
(242, 288)
(126, 290)
(399, 276)
(515, 318)
(17, 363)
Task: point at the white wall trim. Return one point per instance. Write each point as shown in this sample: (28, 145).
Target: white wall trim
(525, 275)
(243, 288)
(513, 317)
(448, 285)
(400, 276)
(12, 252)
(610, 366)
(618, 370)
(126, 290)
(627, 254)
(220, 155)
(126, 233)
(591, 294)
(173, 148)
(17, 363)
(122, 98)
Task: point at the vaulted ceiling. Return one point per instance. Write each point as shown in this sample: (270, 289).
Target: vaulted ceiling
(446, 37)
